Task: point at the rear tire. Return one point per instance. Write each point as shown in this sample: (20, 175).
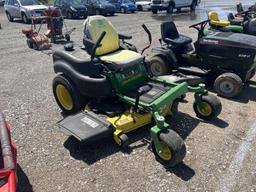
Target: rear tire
(173, 148)
(154, 11)
(158, 66)
(66, 95)
(228, 85)
(170, 9)
(9, 17)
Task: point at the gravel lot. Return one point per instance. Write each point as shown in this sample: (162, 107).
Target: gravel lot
(48, 161)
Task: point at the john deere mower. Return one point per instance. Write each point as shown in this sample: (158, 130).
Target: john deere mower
(223, 59)
(109, 93)
(245, 23)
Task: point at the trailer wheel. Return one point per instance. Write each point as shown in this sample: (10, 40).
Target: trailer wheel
(211, 107)
(228, 85)
(173, 149)
(66, 95)
(67, 37)
(158, 66)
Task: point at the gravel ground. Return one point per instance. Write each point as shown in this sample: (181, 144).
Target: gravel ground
(49, 161)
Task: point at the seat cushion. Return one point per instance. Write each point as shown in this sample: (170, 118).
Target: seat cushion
(221, 23)
(93, 28)
(181, 40)
(122, 59)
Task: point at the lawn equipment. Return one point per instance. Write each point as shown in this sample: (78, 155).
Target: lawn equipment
(8, 158)
(116, 94)
(55, 22)
(220, 58)
(245, 24)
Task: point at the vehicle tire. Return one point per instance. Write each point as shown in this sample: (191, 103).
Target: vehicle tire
(178, 10)
(9, 17)
(85, 16)
(252, 74)
(154, 11)
(173, 148)
(139, 8)
(170, 9)
(158, 66)
(112, 14)
(30, 43)
(69, 15)
(53, 39)
(228, 85)
(67, 37)
(193, 6)
(124, 140)
(123, 10)
(211, 109)
(133, 11)
(66, 95)
(24, 18)
(97, 12)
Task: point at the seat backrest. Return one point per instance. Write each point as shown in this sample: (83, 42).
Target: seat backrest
(231, 17)
(213, 16)
(169, 30)
(239, 7)
(93, 28)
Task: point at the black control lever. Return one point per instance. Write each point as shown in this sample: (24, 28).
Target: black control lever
(140, 92)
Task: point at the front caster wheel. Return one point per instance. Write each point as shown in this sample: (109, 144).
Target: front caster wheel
(172, 150)
(123, 140)
(210, 107)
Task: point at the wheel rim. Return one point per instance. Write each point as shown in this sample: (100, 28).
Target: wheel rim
(64, 97)
(165, 152)
(156, 69)
(206, 110)
(226, 87)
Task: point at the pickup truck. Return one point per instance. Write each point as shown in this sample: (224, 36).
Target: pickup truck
(170, 5)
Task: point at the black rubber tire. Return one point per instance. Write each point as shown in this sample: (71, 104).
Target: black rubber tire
(230, 79)
(162, 67)
(139, 8)
(30, 43)
(77, 100)
(154, 11)
(112, 14)
(175, 144)
(69, 15)
(67, 37)
(215, 105)
(170, 9)
(178, 10)
(123, 10)
(252, 74)
(193, 6)
(9, 17)
(24, 18)
(124, 140)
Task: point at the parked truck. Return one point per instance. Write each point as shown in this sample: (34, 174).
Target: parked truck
(170, 5)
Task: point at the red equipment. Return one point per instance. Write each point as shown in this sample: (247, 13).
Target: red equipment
(55, 23)
(8, 158)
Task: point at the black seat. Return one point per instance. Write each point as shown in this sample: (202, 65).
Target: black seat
(170, 35)
(233, 20)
